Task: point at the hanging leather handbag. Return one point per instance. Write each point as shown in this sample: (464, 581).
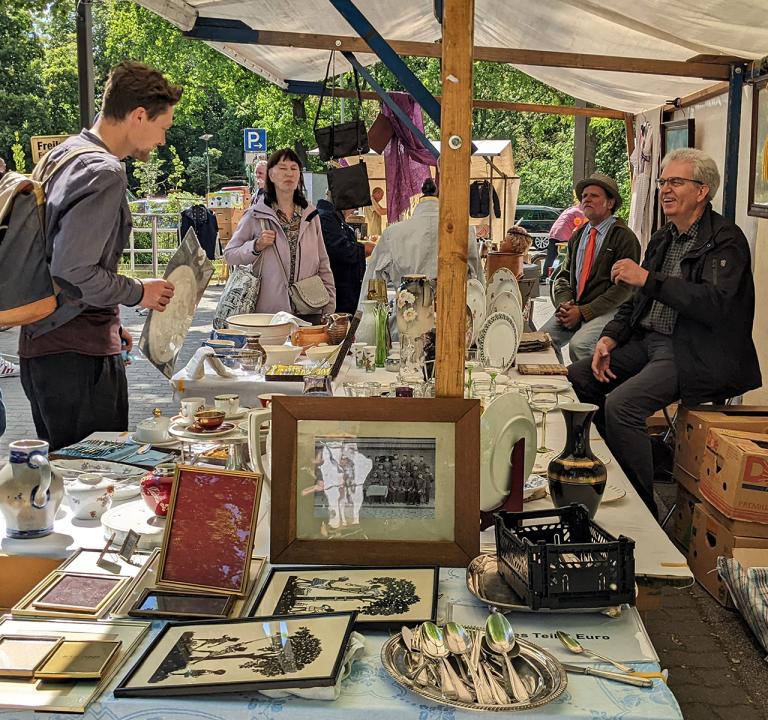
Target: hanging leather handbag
(309, 295)
(381, 133)
(340, 140)
(349, 186)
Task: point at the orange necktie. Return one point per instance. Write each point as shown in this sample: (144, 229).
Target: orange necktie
(586, 267)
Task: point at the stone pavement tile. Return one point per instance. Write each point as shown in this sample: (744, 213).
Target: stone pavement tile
(721, 695)
(738, 712)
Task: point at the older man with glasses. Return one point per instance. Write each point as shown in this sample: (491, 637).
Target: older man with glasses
(687, 331)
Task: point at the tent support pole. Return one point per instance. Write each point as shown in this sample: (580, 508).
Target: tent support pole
(390, 103)
(456, 146)
(732, 132)
(389, 57)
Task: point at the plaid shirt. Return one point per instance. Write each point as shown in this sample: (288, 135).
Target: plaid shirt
(661, 318)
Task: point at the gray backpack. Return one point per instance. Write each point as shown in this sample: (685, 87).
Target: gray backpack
(27, 290)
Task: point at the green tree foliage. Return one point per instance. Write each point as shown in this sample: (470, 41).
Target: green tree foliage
(38, 95)
(19, 160)
(148, 175)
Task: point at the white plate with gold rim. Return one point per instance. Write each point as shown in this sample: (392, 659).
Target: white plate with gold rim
(498, 341)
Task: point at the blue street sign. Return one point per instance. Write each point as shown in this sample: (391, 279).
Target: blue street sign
(255, 140)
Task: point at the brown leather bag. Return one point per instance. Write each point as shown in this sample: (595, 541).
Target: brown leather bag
(380, 134)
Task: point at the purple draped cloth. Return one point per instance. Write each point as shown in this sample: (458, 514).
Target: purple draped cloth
(406, 160)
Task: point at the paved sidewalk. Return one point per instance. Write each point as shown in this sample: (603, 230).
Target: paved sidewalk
(715, 666)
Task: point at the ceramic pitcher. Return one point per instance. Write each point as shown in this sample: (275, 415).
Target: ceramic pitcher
(256, 418)
(30, 492)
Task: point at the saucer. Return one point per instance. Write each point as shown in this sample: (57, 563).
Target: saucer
(170, 442)
(195, 431)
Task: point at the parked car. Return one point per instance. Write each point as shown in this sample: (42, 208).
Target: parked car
(538, 221)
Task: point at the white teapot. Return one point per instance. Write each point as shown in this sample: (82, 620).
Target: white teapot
(154, 429)
(90, 496)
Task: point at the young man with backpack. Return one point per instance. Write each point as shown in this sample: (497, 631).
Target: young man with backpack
(71, 365)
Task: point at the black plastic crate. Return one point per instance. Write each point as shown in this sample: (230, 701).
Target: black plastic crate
(560, 559)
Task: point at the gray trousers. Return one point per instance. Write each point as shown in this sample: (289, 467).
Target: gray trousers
(581, 341)
(646, 381)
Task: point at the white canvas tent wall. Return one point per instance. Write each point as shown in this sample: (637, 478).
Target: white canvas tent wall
(653, 29)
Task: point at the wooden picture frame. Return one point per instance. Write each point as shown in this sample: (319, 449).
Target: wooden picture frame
(677, 134)
(758, 152)
(219, 606)
(240, 656)
(383, 597)
(210, 529)
(307, 434)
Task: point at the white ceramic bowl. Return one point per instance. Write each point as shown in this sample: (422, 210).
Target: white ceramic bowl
(318, 353)
(281, 354)
(259, 323)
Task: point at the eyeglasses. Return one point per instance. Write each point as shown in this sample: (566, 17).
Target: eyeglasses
(676, 182)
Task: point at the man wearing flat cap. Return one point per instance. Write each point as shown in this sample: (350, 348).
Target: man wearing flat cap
(687, 331)
(585, 298)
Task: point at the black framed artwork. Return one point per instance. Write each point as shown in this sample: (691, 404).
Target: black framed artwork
(677, 134)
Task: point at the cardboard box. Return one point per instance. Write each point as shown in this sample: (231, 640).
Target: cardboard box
(20, 573)
(710, 540)
(227, 220)
(734, 475)
(688, 481)
(693, 424)
(682, 518)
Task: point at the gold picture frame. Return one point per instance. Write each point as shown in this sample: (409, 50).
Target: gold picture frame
(209, 511)
(78, 660)
(21, 655)
(49, 597)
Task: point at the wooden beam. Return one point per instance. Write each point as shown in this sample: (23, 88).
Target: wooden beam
(629, 127)
(535, 58)
(699, 96)
(513, 106)
(456, 149)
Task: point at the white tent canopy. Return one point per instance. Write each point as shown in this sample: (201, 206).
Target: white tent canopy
(652, 29)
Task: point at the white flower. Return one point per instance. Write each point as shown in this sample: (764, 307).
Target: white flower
(405, 298)
(409, 314)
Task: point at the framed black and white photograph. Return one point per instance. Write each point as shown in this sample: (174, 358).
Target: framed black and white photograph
(247, 655)
(382, 597)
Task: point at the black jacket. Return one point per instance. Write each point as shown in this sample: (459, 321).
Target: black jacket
(715, 299)
(204, 223)
(480, 194)
(347, 256)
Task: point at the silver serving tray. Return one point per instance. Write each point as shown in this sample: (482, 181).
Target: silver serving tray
(486, 583)
(536, 667)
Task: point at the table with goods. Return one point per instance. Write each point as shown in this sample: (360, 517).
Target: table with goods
(167, 604)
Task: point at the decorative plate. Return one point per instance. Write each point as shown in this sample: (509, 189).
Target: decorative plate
(507, 285)
(501, 275)
(476, 302)
(486, 583)
(136, 516)
(507, 419)
(498, 341)
(505, 301)
(544, 677)
(612, 493)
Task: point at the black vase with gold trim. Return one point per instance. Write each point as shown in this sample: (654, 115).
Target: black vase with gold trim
(577, 475)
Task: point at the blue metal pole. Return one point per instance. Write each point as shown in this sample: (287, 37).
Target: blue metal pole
(391, 104)
(732, 136)
(389, 57)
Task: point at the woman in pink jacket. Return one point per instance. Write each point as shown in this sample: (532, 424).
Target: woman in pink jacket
(281, 234)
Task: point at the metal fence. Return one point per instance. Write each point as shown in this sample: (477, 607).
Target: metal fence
(158, 226)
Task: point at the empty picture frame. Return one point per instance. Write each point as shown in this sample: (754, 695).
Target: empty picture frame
(247, 655)
(677, 134)
(21, 655)
(393, 481)
(154, 603)
(208, 540)
(382, 597)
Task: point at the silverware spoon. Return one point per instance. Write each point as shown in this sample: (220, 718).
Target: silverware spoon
(501, 640)
(572, 644)
(460, 644)
(433, 646)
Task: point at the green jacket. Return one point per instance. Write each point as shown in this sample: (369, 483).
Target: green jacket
(600, 294)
